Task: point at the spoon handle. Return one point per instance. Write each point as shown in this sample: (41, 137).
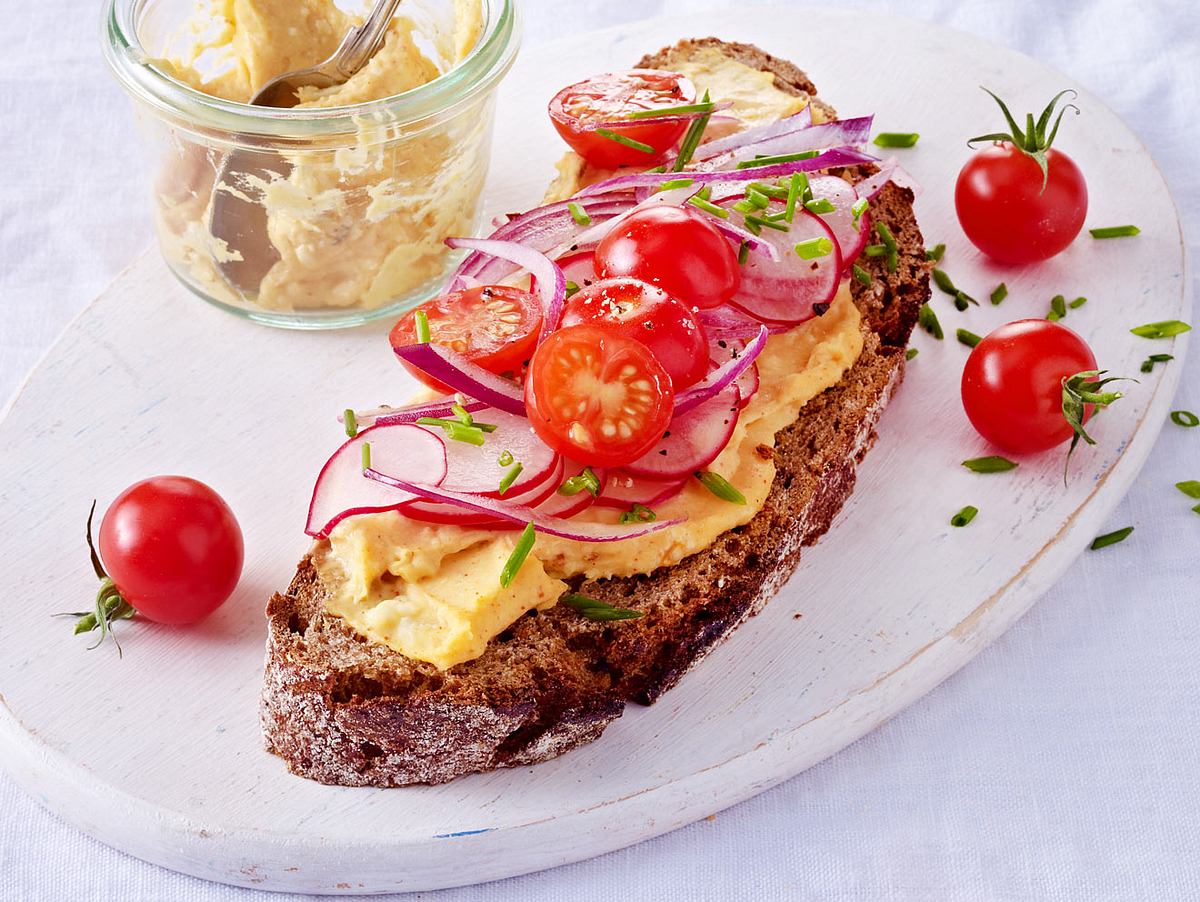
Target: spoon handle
(363, 42)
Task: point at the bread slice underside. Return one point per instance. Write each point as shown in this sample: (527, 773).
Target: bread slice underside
(340, 709)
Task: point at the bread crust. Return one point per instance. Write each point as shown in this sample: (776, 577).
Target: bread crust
(341, 710)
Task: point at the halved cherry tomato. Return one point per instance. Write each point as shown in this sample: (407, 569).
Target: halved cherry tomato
(675, 248)
(606, 99)
(647, 314)
(495, 326)
(597, 396)
(1012, 384)
(172, 547)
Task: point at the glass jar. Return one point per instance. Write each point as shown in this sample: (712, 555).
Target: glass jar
(314, 217)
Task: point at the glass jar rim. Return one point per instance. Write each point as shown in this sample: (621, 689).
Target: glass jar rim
(490, 58)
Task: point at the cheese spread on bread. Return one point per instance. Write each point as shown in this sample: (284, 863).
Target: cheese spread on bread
(432, 592)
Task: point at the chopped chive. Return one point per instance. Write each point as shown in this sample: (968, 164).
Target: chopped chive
(1111, 538)
(594, 609)
(462, 414)
(861, 274)
(744, 207)
(350, 421)
(928, 321)
(775, 191)
(943, 281)
(705, 192)
(1148, 363)
(656, 169)
(366, 456)
(859, 207)
(1184, 418)
(1077, 303)
(885, 235)
(999, 294)
(1191, 488)
(769, 223)
(797, 188)
(743, 253)
(991, 464)
(671, 111)
(968, 338)
(911, 353)
(877, 250)
(624, 141)
(1125, 231)
(458, 431)
(1058, 308)
(814, 248)
(964, 516)
(586, 479)
(510, 477)
(442, 422)
(670, 184)
(720, 486)
(757, 198)
(820, 205)
(421, 323)
(753, 228)
(772, 161)
(517, 558)
(1195, 509)
(1163, 329)
(571, 288)
(708, 207)
(639, 513)
(936, 253)
(578, 214)
(691, 139)
(896, 139)
(506, 458)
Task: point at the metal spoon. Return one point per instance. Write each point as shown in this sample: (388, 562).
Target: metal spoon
(241, 223)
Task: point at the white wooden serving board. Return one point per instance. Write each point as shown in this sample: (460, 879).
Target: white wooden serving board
(159, 753)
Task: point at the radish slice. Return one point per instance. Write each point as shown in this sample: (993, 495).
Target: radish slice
(851, 236)
(624, 491)
(693, 441)
(552, 287)
(341, 491)
(786, 292)
(738, 360)
(477, 469)
(522, 515)
(559, 505)
(464, 376)
(440, 512)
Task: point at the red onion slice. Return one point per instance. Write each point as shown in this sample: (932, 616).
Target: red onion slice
(889, 171)
(787, 126)
(841, 132)
(551, 285)
(838, 156)
(725, 323)
(341, 491)
(786, 292)
(693, 441)
(720, 379)
(521, 515)
(394, 416)
(454, 370)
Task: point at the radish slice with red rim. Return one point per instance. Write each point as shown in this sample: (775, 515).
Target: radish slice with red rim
(850, 232)
(477, 468)
(693, 441)
(740, 357)
(625, 490)
(560, 505)
(341, 491)
(440, 512)
(522, 515)
(787, 292)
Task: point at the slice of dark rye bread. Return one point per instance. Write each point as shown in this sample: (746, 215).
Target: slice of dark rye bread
(340, 709)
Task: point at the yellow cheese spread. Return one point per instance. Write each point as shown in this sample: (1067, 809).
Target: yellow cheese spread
(356, 223)
(432, 592)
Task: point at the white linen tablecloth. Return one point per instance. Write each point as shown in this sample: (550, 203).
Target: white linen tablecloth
(1064, 763)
